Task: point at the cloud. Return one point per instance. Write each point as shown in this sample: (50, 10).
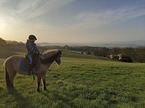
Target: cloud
(109, 16)
(16, 13)
(93, 23)
(33, 8)
(28, 9)
(21, 17)
(3, 2)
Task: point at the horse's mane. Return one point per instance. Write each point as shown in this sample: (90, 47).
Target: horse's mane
(50, 51)
(48, 56)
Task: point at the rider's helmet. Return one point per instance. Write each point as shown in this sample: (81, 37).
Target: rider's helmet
(32, 37)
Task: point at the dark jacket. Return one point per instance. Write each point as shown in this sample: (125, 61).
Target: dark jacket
(32, 48)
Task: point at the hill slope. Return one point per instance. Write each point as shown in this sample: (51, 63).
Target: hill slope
(80, 82)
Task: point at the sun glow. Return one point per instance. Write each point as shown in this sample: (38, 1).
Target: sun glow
(2, 25)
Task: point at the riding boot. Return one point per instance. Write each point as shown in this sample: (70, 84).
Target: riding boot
(33, 73)
(30, 72)
(33, 69)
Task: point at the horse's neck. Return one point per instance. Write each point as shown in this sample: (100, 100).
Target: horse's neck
(47, 59)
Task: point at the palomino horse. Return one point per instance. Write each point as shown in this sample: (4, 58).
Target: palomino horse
(12, 66)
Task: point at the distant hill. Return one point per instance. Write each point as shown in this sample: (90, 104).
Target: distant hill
(120, 44)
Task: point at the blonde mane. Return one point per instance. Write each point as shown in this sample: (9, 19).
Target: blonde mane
(50, 51)
(48, 56)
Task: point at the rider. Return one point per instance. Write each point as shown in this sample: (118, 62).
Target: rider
(33, 52)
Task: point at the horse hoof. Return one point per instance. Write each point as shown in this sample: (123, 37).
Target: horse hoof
(38, 90)
(45, 88)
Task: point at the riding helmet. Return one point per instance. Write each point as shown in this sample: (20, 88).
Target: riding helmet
(32, 37)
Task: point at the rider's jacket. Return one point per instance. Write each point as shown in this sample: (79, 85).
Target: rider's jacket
(32, 51)
(32, 48)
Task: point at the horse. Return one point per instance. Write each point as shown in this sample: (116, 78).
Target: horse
(12, 66)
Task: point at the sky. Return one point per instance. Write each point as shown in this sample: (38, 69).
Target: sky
(73, 21)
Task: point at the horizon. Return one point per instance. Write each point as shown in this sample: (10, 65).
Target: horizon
(101, 42)
(73, 21)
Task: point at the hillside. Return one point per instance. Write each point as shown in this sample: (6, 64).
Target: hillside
(136, 54)
(19, 48)
(76, 83)
(80, 81)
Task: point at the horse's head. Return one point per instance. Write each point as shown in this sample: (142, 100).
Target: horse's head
(58, 60)
(50, 56)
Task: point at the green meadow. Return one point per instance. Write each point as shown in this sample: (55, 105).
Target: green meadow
(79, 82)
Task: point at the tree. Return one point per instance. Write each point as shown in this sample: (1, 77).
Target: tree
(88, 53)
(66, 47)
(2, 42)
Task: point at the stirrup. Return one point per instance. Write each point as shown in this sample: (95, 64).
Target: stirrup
(33, 76)
(32, 72)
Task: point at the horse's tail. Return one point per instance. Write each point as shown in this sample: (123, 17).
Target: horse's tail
(7, 79)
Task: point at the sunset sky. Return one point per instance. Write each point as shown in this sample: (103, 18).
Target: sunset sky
(73, 20)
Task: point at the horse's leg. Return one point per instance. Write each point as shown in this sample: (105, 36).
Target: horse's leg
(12, 75)
(38, 82)
(43, 82)
(7, 78)
(9, 75)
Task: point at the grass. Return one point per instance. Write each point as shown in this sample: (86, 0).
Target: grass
(71, 53)
(80, 83)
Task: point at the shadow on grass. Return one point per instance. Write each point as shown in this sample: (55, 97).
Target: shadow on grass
(22, 102)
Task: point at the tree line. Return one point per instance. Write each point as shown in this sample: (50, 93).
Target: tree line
(135, 54)
(9, 43)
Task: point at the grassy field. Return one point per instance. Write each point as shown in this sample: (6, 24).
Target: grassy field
(80, 83)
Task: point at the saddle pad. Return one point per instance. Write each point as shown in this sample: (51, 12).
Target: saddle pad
(25, 65)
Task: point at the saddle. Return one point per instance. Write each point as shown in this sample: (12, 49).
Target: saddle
(25, 64)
